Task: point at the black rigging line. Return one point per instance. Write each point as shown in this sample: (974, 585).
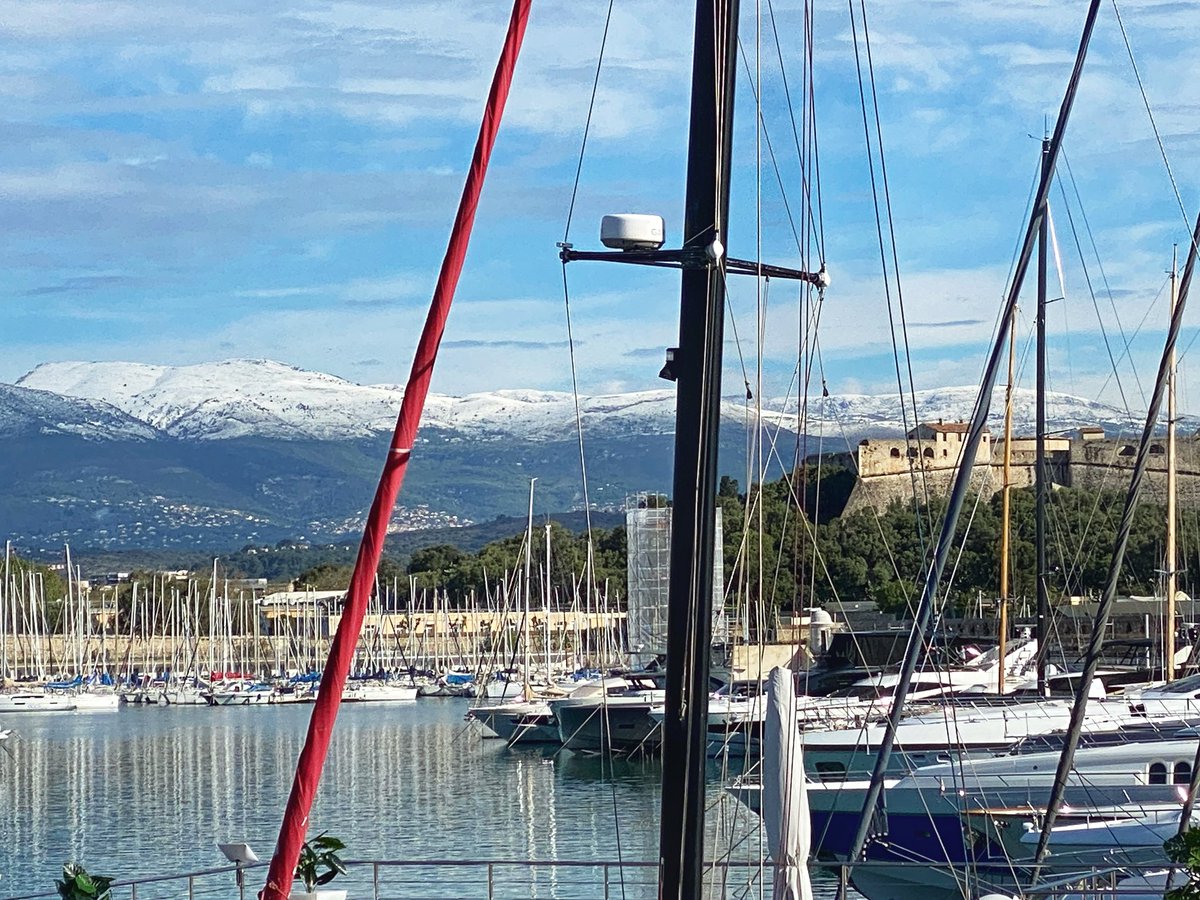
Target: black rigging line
(920, 522)
(814, 153)
(806, 186)
(887, 199)
(1149, 114)
(762, 125)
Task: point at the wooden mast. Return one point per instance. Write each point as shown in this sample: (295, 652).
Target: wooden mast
(1005, 526)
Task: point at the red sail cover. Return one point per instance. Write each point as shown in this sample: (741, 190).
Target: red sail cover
(341, 653)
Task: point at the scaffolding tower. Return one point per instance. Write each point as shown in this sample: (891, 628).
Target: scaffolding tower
(648, 535)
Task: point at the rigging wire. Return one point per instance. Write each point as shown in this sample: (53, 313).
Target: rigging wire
(892, 328)
(1150, 114)
(587, 125)
(1113, 363)
(807, 185)
(587, 505)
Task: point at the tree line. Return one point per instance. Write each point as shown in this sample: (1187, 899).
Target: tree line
(882, 556)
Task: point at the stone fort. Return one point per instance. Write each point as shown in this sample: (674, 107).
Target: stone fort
(890, 469)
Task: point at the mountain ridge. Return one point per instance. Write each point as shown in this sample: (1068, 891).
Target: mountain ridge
(110, 455)
(266, 398)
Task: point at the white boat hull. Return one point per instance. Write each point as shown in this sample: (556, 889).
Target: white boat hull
(99, 702)
(27, 703)
(379, 693)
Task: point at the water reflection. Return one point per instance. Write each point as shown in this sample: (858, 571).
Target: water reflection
(150, 791)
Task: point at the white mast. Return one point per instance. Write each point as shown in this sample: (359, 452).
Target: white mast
(5, 600)
(528, 566)
(1172, 578)
(212, 619)
(546, 604)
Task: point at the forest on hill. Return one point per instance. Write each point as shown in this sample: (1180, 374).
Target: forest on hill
(869, 555)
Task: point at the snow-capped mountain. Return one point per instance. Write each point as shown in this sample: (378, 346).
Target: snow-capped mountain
(230, 399)
(262, 398)
(881, 414)
(241, 398)
(223, 454)
(26, 411)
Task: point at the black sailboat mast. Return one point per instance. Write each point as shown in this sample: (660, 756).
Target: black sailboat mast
(1041, 473)
(696, 367)
(929, 593)
(1066, 761)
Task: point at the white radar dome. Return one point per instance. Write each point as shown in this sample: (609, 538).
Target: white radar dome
(632, 231)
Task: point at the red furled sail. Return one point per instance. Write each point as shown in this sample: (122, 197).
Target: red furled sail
(341, 653)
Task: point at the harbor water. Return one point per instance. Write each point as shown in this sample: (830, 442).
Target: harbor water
(151, 791)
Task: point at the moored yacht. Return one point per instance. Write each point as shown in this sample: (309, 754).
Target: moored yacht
(612, 715)
(518, 721)
(374, 690)
(239, 693)
(36, 701)
(961, 728)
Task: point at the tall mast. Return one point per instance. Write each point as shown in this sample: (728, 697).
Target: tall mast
(697, 370)
(1091, 660)
(1168, 625)
(962, 477)
(546, 608)
(1040, 468)
(525, 689)
(341, 654)
(5, 602)
(1005, 524)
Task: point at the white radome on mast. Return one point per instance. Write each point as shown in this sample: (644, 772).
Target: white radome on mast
(632, 231)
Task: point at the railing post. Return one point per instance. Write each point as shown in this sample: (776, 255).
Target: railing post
(375, 879)
(606, 881)
(191, 888)
(491, 882)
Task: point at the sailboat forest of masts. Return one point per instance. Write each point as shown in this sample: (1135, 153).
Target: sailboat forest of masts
(173, 639)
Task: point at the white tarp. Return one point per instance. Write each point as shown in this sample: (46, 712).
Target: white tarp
(784, 799)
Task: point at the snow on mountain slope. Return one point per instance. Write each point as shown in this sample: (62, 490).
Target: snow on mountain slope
(24, 411)
(881, 413)
(263, 398)
(234, 398)
(239, 398)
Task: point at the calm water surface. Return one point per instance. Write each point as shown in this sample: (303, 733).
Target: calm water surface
(145, 791)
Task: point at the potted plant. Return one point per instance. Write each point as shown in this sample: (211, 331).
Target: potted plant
(318, 865)
(77, 884)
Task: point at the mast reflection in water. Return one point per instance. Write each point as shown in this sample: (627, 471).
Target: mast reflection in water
(146, 791)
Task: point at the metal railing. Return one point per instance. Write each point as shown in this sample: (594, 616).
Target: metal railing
(506, 879)
(400, 879)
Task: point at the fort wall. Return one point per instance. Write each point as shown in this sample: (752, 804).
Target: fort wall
(888, 470)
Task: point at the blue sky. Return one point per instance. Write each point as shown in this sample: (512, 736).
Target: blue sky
(185, 182)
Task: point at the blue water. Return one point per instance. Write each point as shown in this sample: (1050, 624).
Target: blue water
(149, 791)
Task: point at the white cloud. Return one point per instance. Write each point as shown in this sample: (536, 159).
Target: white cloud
(311, 154)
